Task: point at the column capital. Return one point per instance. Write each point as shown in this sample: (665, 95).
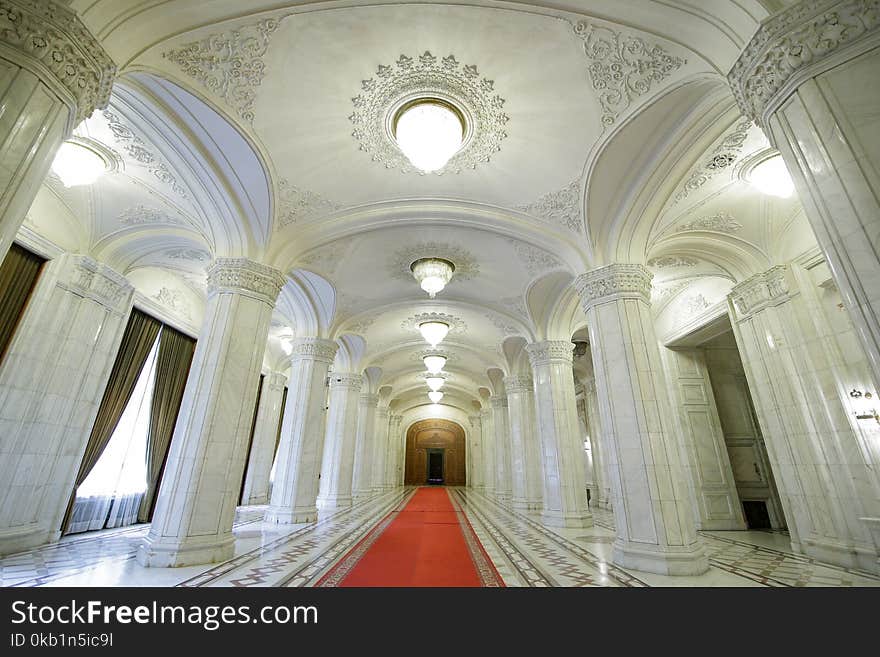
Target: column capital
(550, 351)
(275, 380)
(88, 278)
(366, 399)
(244, 276)
(769, 288)
(797, 44)
(484, 414)
(346, 380)
(382, 412)
(474, 420)
(612, 282)
(498, 402)
(518, 383)
(313, 349)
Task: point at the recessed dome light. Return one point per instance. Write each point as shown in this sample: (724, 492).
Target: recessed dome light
(78, 165)
(771, 177)
(429, 131)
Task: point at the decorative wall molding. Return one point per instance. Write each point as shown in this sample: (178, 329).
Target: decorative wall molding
(313, 349)
(48, 37)
(515, 304)
(721, 222)
(562, 207)
(690, 305)
(502, 324)
(622, 67)
(175, 301)
(229, 64)
(663, 293)
(550, 351)
(295, 204)
(669, 262)
(722, 156)
(768, 288)
(193, 255)
(466, 265)
(456, 324)
(140, 215)
(240, 275)
(514, 384)
(795, 44)
(536, 260)
(346, 380)
(426, 74)
(612, 282)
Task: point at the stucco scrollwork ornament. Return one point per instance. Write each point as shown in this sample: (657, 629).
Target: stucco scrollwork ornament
(295, 204)
(193, 255)
(175, 301)
(451, 357)
(721, 222)
(44, 36)
(502, 324)
(427, 75)
(761, 290)
(346, 380)
(562, 207)
(139, 215)
(668, 262)
(536, 260)
(243, 276)
(613, 282)
(722, 156)
(623, 67)
(456, 324)
(466, 265)
(229, 64)
(795, 44)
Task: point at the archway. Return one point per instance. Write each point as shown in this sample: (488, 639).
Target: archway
(435, 453)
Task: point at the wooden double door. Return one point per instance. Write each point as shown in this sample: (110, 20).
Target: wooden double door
(435, 454)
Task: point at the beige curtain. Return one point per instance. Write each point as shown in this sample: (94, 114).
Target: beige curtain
(137, 341)
(18, 277)
(247, 458)
(172, 368)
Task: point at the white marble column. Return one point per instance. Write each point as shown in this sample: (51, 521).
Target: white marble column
(53, 74)
(525, 452)
(393, 474)
(655, 527)
(503, 483)
(337, 469)
(809, 79)
(380, 448)
(602, 498)
(561, 445)
(820, 455)
(301, 449)
(201, 482)
(487, 424)
(475, 462)
(256, 480)
(362, 480)
(51, 383)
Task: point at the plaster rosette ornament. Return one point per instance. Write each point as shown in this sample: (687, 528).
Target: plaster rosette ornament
(429, 114)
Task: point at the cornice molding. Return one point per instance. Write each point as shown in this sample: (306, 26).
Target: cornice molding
(613, 282)
(243, 276)
(86, 277)
(550, 351)
(769, 288)
(49, 40)
(797, 44)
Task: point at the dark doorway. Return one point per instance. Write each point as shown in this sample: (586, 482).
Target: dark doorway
(756, 514)
(435, 466)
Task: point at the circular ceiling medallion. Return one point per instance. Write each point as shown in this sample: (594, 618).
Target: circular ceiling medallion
(456, 324)
(445, 80)
(466, 265)
(420, 355)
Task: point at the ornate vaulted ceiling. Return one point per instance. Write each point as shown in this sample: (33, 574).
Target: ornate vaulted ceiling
(601, 131)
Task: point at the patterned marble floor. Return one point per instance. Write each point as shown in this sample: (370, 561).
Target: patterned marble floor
(524, 552)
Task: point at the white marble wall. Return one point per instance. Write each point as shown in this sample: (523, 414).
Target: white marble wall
(503, 478)
(256, 481)
(201, 483)
(337, 469)
(474, 455)
(362, 479)
(561, 444)
(51, 383)
(487, 425)
(655, 528)
(826, 477)
(525, 453)
(395, 453)
(381, 448)
(301, 449)
(602, 492)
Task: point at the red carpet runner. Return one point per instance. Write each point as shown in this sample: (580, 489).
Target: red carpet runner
(427, 543)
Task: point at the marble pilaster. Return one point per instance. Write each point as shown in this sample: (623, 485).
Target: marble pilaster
(362, 480)
(256, 479)
(501, 419)
(655, 528)
(487, 424)
(301, 448)
(380, 448)
(394, 461)
(200, 487)
(475, 460)
(337, 469)
(602, 495)
(525, 458)
(51, 382)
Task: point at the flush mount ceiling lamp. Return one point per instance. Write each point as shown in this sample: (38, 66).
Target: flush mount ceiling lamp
(432, 274)
(429, 131)
(771, 177)
(435, 382)
(434, 363)
(435, 396)
(76, 164)
(433, 332)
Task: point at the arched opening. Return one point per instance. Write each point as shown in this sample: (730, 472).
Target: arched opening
(435, 454)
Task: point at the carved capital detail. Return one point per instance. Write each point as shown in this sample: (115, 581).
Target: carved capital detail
(518, 383)
(550, 351)
(49, 40)
(275, 381)
(313, 349)
(88, 278)
(795, 45)
(498, 402)
(243, 276)
(348, 380)
(612, 282)
(371, 401)
(769, 288)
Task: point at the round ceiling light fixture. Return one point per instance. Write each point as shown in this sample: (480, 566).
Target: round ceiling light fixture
(76, 164)
(435, 382)
(432, 274)
(771, 177)
(433, 332)
(435, 396)
(434, 363)
(429, 131)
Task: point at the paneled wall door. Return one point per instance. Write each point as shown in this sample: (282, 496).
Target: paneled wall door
(433, 436)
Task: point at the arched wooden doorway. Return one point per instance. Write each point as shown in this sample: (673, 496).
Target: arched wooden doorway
(435, 452)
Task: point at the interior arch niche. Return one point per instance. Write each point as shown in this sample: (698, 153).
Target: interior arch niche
(432, 437)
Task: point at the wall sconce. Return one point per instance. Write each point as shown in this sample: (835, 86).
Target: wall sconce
(864, 414)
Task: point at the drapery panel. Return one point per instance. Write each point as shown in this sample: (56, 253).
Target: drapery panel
(18, 277)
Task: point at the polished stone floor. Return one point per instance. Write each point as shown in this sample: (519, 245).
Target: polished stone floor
(524, 552)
